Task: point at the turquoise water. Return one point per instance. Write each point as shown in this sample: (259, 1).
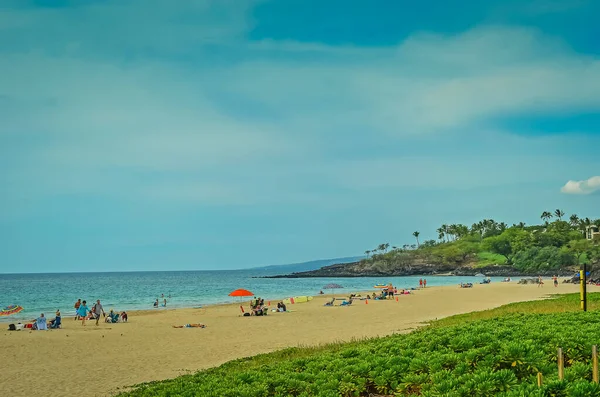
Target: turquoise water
(44, 293)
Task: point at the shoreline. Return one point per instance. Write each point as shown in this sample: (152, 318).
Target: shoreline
(148, 348)
(70, 312)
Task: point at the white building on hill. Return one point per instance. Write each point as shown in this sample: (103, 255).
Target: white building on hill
(592, 232)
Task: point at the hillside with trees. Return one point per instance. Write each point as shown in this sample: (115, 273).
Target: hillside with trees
(557, 245)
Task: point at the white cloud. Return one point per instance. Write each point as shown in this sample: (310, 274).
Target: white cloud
(582, 187)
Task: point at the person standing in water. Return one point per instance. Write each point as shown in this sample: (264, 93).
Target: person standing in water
(420, 283)
(424, 283)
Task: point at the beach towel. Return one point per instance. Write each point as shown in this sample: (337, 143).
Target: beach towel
(190, 326)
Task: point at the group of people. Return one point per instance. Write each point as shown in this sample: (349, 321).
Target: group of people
(84, 313)
(164, 304)
(257, 305)
(422, 283)
(39, 324)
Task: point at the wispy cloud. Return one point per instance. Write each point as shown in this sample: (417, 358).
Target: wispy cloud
(582, 187)
(86, 101)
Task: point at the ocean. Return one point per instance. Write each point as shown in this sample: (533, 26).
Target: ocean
(45, 293)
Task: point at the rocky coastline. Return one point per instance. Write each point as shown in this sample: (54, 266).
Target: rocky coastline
(355, 270)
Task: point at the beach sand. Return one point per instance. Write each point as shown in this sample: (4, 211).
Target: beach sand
(100, 361)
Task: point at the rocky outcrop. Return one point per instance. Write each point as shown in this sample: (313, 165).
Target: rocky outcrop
(360, 269)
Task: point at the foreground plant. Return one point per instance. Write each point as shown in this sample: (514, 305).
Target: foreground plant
(498, 356)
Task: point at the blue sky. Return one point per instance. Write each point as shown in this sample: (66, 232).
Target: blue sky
(157, 135)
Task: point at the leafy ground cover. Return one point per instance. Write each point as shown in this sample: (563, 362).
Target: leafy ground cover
(494, 352)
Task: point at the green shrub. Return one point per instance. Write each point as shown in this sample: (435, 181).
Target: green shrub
(495, 356)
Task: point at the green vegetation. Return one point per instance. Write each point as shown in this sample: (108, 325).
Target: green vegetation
(486, 258)
(551, 247)
(495, 352)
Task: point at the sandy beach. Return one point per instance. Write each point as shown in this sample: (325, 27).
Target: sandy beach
(113, 356)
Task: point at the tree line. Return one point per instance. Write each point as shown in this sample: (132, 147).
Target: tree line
(557, 243)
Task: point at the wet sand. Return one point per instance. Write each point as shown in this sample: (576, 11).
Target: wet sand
(113, 356)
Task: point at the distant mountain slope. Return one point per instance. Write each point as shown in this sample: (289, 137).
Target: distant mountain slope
(306, 266)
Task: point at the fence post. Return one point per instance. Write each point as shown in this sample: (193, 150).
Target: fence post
(595, 363)
(561, 364)
(539, 379)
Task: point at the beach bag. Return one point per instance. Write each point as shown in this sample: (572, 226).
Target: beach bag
(12, 327)
(246, 314)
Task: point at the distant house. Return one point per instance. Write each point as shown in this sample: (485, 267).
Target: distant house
(592, 232)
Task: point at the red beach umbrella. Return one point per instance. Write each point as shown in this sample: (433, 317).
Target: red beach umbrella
(241, 292)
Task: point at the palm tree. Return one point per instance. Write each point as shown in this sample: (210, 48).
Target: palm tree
(383, 247)
(546, 216)
(574, 220)
(416, 234)
(559, 214)
(462, 230)
(441, 233)
(451, 231)
(478, 228)
(447, 232)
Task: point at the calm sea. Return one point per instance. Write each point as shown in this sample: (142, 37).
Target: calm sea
(44, 293)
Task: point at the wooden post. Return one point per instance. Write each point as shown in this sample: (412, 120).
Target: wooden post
(595, 363)
(583, 287)
(539, 379)
(561, 364)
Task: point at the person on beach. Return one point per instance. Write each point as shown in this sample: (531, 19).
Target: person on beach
(124, 317)
(156, 304)
(424, 283)
(83, 311)
(40, 323)
(555, 279)
(77, 304)
(57, 320)
(165, 302)
(420, 283)
(97, 309)
(540, 282)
